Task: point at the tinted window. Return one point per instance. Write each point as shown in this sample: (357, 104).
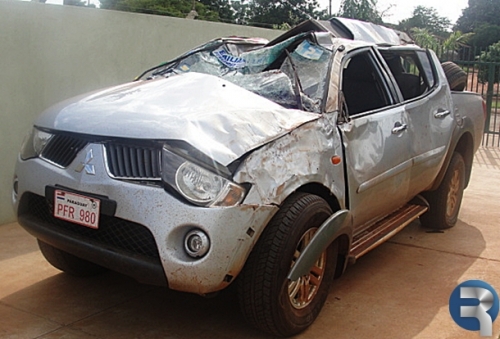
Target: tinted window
(412, 71)
(427, 68)
(362, 85)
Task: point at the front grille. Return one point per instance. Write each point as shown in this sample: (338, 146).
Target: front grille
(133, 162)
(113, 232)
(123, 161)
(62, 149)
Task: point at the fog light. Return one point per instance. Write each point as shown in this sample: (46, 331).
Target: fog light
(196, 243)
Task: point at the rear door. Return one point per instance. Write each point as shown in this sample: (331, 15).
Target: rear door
(427, 103)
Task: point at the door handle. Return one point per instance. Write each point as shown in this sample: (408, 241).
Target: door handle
(399, 128)
(441, 114)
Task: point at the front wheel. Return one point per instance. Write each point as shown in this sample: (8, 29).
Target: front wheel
(268, 300)
(446, 200)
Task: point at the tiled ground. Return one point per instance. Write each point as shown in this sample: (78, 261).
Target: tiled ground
(399, 290)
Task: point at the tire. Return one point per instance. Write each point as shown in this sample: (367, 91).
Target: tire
(267, 299)
(446, 200)
(457, 78)
(69, 263)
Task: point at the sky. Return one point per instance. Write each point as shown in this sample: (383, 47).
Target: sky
(451, 9)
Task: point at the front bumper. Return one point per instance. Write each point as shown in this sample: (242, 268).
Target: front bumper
(232, 231)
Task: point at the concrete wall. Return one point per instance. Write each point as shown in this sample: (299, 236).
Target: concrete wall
(50, 52)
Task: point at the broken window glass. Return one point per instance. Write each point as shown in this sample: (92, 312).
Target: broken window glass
(266, 71)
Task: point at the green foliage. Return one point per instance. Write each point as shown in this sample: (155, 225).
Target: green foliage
(365, 10)
(176, 8)
(222, 7)
(491, 55)
(482, 18)
(455, 40)
(282, 27)
(485, 35)
(478, 13)
(423, 37)
(241, 11)
(265, 13)
(426, 18)
(268, 13)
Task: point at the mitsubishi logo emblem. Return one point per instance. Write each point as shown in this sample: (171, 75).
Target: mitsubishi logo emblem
(89, 168)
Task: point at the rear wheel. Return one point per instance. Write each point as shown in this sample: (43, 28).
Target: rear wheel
(269, 301)
(67, 262)
(446, 200)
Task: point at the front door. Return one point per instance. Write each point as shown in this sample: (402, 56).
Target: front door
(376, 141)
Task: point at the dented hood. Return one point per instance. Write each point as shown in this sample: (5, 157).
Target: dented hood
(215, 116)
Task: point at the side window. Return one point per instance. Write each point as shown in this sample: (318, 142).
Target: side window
(427, 68)
(412, 71)
(362, 85)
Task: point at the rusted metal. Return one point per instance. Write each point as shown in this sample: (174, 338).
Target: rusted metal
(379, 232)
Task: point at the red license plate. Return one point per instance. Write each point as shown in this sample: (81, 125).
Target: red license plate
(77, 208)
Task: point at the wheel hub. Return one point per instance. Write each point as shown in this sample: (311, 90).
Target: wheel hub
(302, 291)
(453, 192)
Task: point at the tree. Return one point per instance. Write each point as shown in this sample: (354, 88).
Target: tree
(485, 35)
(491, 55)
(482, 18)
(268, 13)
(426, 18)
(456, 40)
(222, 7)
(453, 44)
(176, 8)
(478, 13)
(365, 10)
(241, 12)
(265, 13)
(423, 37)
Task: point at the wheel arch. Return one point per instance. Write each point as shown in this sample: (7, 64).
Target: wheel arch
(344, 239)
(323, 192)
(263, 286)
(465, 147)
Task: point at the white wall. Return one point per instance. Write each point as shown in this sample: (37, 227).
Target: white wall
(51, 52)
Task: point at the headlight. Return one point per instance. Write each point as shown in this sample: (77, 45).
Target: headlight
(34, 143)
(197, 184)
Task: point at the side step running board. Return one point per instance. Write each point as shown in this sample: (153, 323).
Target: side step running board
(384, 229)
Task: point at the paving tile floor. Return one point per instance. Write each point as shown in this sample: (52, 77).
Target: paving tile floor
(399, 290)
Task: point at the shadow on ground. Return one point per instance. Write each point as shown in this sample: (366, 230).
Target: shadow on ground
(397, 290)
(394, 291)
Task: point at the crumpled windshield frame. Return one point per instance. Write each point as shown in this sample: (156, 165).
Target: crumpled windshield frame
(277, 72)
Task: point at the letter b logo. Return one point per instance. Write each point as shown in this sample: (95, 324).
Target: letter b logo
(474, 306)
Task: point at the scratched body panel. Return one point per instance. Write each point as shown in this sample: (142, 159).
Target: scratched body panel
(168, 220)
(218, 139)
(301, 157)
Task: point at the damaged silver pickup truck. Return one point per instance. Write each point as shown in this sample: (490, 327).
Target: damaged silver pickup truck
(270, 165)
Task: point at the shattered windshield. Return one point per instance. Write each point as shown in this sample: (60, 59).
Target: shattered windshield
(291, 73)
